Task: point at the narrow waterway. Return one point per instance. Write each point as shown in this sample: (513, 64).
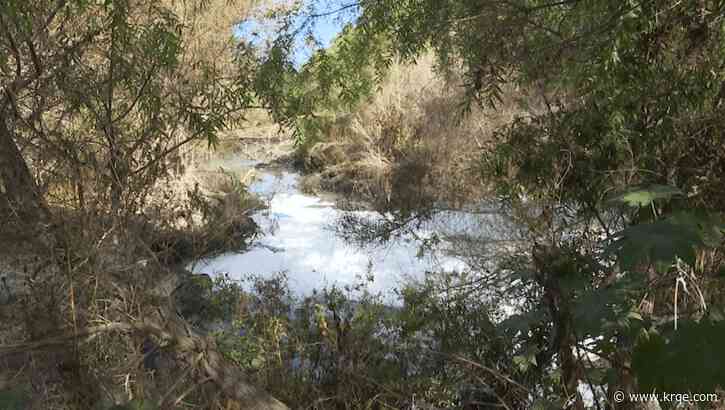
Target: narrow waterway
(298, 238)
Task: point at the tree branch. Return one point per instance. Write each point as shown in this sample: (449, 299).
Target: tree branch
(338, 10)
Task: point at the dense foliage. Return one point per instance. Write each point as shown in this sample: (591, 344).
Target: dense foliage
(98, 94)
(615, 179)
(98, 102)
(610, 279)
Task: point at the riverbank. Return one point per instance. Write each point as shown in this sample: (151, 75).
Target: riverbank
(409, 146)
(298, 261)
(110, 282)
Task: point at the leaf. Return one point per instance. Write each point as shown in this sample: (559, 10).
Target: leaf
(643, 196)
(602, 308)
(596, 375)
(634, 315)
(521, 362)
(15, 399)
(689, 359)
(663, 241)
(523, 322)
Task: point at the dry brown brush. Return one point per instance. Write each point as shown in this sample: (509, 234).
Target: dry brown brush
(411, 144)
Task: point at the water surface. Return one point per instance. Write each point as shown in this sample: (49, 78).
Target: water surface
(298, 237)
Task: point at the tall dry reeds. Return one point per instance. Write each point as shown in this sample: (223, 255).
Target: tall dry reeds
(412, 144)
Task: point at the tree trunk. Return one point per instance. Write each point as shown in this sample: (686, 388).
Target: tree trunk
(548, 262)
(21, 191)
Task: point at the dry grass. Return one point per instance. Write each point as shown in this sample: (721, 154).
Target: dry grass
(78, 327)
(411, 144)
(81, 313)
(85, 312)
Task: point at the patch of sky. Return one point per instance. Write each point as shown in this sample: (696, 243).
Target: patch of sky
(316, 25)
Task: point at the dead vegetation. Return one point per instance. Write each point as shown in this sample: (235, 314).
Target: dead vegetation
(100, 208)
(93, 321)
(411, 145)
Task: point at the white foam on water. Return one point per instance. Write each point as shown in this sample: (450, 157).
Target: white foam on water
(298, 240)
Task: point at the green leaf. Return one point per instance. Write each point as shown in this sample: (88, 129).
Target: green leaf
(523, 322)
(643, 196)
(15, 399)
(663, 241)
(596, 375)
(689, 359)
(521, 362)
(599, 309)
(634, 315)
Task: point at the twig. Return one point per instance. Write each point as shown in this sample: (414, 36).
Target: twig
(179, 380)
(494, 373)
(337, 10)
(190, 389)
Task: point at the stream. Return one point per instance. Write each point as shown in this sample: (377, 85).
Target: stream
(298, 238)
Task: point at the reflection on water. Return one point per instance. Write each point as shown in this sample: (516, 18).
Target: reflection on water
(299, 239)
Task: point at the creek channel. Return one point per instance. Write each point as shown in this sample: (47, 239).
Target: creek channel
(298, 237)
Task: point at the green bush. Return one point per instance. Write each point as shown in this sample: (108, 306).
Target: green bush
(345, 347)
